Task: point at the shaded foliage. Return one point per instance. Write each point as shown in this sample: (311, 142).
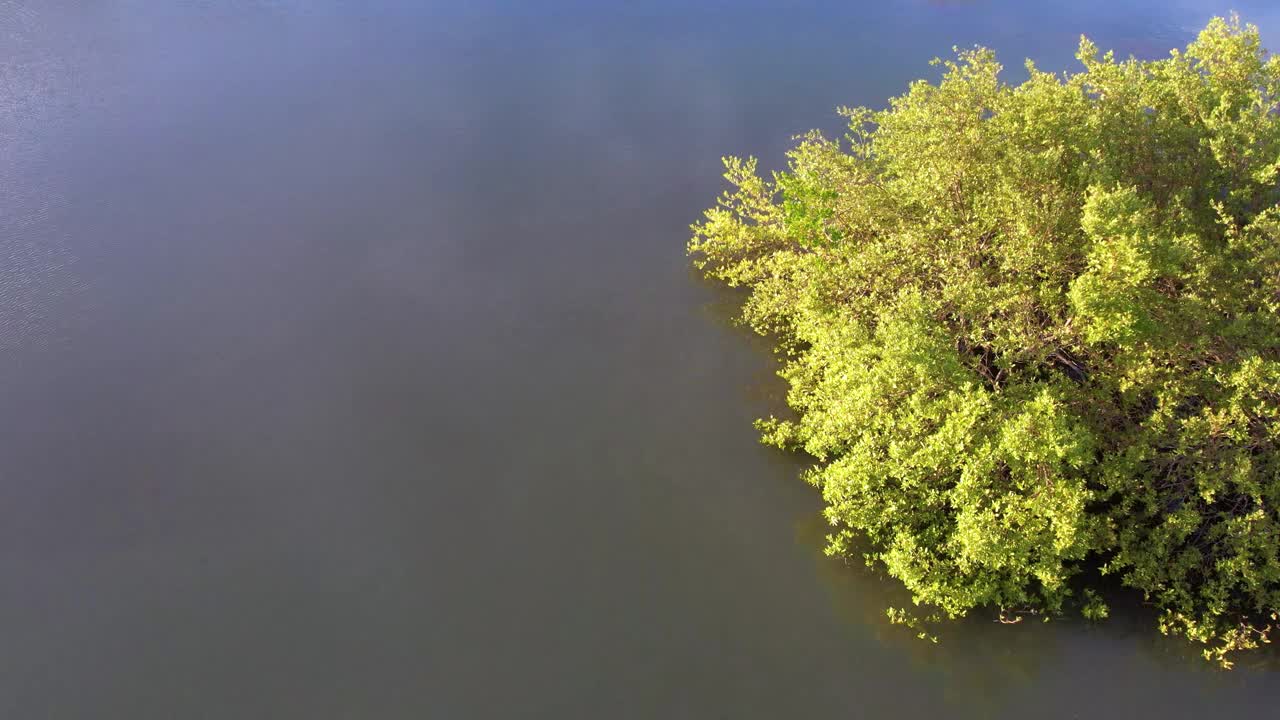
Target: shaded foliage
(1032, 329)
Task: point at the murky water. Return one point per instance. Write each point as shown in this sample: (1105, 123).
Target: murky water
(350, 367)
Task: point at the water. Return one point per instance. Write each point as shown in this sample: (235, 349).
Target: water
(350, 367)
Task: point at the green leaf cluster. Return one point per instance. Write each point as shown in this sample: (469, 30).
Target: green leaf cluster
(1032, 329)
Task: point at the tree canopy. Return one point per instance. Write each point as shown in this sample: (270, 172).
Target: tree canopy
(1031, 330)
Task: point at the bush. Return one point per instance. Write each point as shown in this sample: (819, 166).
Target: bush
(1031, 330)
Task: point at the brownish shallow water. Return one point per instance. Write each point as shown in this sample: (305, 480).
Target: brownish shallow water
(350, 367)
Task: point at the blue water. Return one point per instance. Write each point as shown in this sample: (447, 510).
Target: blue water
(350, 367)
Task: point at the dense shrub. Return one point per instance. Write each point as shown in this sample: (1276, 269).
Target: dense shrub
(1031, 330)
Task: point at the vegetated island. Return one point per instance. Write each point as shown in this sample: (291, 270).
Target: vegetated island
(1031, 332)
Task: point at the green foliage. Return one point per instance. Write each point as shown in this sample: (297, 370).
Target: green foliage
(1094, 608)
(1033, 329)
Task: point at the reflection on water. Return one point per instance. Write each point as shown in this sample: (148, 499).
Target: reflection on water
(991, 667)
(350, 367)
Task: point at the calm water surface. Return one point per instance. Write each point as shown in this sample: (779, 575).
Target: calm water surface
(350, 367)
